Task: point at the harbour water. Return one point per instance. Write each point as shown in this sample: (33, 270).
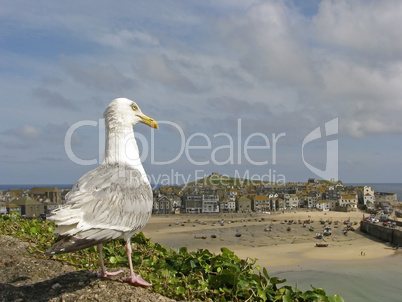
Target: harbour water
(371, 280)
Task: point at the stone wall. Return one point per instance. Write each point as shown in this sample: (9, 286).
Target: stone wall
(387, 234)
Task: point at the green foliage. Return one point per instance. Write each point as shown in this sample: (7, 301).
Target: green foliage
(182, 275)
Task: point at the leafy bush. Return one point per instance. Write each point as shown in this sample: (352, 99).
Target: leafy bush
(181, 275)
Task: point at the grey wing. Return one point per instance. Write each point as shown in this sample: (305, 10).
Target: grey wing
(106, 203)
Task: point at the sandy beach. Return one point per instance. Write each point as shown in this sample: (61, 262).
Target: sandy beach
(278, 248)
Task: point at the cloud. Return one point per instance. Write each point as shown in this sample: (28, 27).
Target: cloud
(21, 137)
(28, 136)
(54, 99)
(268, 42)
(160, 69)
(239, 108)
(366, 99)
(127, 39)
(102, 77)
(230, 76)
(307, 75)
(365, 30)
(279, 66)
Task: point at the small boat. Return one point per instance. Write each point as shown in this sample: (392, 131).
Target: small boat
(318, 236)
(321, 244)
(200, 237)
(238, 235)
(327, 231)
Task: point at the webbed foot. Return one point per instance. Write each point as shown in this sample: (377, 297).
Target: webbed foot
(136, 280)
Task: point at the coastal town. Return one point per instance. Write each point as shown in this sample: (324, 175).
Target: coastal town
(221, 194)
(310, 226)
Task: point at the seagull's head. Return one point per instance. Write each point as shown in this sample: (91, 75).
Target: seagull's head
(126, 112)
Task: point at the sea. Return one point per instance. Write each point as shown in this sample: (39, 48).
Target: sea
(383, 187)
(30, 186)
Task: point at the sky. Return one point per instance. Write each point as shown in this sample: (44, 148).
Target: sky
(271, 90)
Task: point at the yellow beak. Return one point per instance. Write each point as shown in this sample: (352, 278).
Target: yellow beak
(148, 121)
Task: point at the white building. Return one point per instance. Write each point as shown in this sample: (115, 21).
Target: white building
(210, 204)
(227, 205)
(3, 208)
(261, 203)
(368, 196)
(311, 202)
(326, 205)
(291, 201)
(348, 201)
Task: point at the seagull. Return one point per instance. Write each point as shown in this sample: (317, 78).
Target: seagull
(112, 201)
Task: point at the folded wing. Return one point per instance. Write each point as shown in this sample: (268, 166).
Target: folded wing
(108, 202)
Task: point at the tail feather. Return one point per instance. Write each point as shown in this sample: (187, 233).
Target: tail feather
(68, 244)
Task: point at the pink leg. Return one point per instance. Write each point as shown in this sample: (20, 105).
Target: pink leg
(133, 279)
(104, 273)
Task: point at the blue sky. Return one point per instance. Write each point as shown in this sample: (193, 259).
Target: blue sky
(221, 75)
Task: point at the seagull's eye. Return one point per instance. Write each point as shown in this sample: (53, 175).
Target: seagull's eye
(135, 107)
